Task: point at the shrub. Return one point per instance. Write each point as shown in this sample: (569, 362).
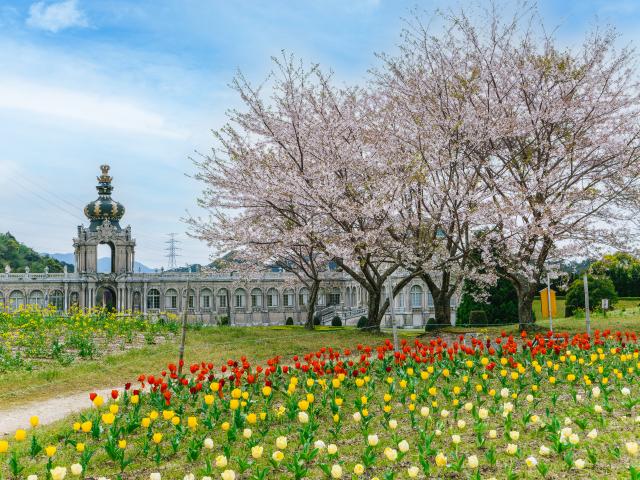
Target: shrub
(478, 318)
(317, 319)
(432, 325)
(223, 321)
(362, 322)
(336, 322)
(289, 321)
(599, 288)
(501, 306)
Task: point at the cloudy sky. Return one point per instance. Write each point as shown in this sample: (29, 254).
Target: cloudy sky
(140, 84)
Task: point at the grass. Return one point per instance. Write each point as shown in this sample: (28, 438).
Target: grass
(209, 344)
(257, 343)
(554, 404)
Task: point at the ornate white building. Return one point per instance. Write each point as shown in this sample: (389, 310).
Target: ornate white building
(269, 299)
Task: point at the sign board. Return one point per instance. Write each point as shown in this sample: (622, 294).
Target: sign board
(605, 304)
(544, 303)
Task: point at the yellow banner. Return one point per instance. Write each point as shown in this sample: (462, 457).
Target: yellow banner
(544, 301)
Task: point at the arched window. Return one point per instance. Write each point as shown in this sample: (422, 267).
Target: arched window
(153, 299)
(399, 300)
(223, 296)
(334, 296)
(136, 301)
(354, 300)
(303, 297)
(56, 299)
(74, 299)
(191, 300)
(1, 300)
(171, 299)
(272, 297)
(416, 296)
(205, 298)
(322, 298)
(16, 299)
(256, 298)
(288, 298)
(36, 298)
(240, 298)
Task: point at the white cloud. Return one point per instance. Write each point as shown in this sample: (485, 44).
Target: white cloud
(56, 16)
(84, 108)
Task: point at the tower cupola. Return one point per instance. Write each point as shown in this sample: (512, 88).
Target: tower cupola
(104, 208)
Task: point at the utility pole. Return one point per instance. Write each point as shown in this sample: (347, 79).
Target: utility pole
(393, 315)
(185, 309)
(172, 249)
(585, 281)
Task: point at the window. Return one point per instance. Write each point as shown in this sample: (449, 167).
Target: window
(240, 298)
(136, 301)
(75, 299)
(191, 300)
(256, 298)
(205, 298)
(153, 299)
(1, 300)
(429, 299)
(354, 300)
(334, 297)
(16, 299)
(272, 297)
(36, 298)
(171, 299)
(287, 298)
(56, 299)
(399, 300)
(452, 301)
(416, 296)
(303, 297)
(222, 298)
(322, 297)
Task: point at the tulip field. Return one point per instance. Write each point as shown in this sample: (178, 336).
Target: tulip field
(546, 406)
(34, 337)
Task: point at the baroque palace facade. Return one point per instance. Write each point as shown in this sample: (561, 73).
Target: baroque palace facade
(268, 299)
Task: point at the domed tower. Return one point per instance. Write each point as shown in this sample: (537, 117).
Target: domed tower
(104, 214)
(104, 209)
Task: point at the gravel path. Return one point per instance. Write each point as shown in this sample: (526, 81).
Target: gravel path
(48, 411)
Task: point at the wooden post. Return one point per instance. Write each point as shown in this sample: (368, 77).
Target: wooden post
(586, 303)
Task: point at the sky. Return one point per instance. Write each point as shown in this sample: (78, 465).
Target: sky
(140, 84)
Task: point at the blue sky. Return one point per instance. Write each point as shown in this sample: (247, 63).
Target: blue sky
(140, 84)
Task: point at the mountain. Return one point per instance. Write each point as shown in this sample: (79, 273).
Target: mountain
(103, 262)
(18, 256)
(217, 264)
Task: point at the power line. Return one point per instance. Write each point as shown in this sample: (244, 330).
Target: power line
(172, 249)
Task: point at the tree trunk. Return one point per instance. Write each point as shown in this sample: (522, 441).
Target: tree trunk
(311, 307)
(441, 297)
(442, 305)
(525, 293)
(373, 315)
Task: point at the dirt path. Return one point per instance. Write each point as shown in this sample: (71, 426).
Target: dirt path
(48, 411)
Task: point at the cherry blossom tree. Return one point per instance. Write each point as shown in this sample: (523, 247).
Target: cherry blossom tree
(554, 136)
(434, 133)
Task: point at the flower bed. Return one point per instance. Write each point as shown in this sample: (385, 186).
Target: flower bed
(31, 337)
(552, 406)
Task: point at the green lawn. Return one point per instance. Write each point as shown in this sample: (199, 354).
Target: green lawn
(210, 344)
(258, 343)
(392, 393)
